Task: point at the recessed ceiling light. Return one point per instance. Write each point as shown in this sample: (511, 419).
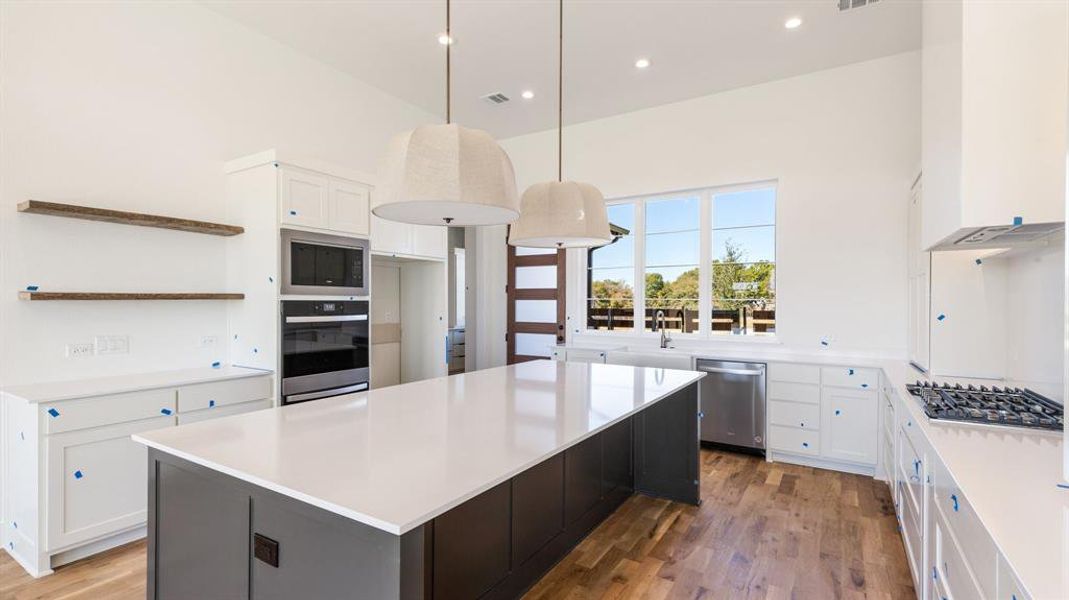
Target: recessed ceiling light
(642, 63)
(444, 39)
(793, 23)
(527, 94)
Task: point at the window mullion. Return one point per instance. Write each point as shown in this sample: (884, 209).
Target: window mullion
(705, 258)
(640, 266)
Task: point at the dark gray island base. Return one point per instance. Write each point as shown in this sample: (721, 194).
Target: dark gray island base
(212, 536)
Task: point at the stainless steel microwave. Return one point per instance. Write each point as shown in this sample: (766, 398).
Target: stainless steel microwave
(318, 264)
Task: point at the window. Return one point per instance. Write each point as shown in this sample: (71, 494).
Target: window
(707, 261)
(611, 275)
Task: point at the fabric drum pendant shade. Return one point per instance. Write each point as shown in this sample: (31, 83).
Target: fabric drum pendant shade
(561, 214)
(446, 175)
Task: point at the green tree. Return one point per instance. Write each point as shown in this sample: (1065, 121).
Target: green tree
(611, 293)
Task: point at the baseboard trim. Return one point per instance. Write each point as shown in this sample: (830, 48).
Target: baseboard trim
(821, 463)
(96, 547)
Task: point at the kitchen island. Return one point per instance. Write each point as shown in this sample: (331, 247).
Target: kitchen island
(466, 486)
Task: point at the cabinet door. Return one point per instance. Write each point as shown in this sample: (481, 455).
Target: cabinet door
(303, 198)
(97, 481)
(849, 427)
(347, 207)
(471, 545)
(430, 241)
(582, 478)
(390, 237)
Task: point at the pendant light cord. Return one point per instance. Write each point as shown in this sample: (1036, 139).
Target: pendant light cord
(448, 65)
(560, 90)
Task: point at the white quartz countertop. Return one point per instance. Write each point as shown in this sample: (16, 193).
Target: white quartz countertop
(395, 458)
(103, 386)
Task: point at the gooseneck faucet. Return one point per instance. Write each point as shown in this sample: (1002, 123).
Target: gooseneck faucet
(660, 321)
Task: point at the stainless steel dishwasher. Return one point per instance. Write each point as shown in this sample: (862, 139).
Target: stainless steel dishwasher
(733, 403)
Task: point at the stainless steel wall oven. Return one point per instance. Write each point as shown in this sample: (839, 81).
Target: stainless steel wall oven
(325, 348)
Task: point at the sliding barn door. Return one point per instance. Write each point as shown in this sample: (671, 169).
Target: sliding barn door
(535, 303)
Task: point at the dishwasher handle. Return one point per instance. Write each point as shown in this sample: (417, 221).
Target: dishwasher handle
(748, 372)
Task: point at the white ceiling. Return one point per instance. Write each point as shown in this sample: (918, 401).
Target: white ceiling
(696, 47)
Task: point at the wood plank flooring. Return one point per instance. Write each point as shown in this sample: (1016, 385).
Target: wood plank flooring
(764, 530)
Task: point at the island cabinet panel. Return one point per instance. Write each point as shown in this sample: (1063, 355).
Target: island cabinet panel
(582, 478)
(537, 508)
(618, 473)
(199, 535)
(471, 545)
(316, 554)
(667, 447)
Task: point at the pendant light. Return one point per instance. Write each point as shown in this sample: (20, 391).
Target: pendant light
(561, 214)
(446, 174)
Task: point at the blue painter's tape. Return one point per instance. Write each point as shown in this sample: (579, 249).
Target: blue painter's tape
(838, 412)
(215, 365)
(235, 336)
(864, 385)
(211, 403)
(805, 444)
(165, 411)
(53, 412)
(823, 342)
(15, 524)
(270, 279)
(940, 317)
(954, 499)
(78, 475)
(31, 288)
(22, 435)
(255, 350)
(851, 371)
(935, 574)
(293, 212)
(1018, 221)
(1064, 486)
(979, 261)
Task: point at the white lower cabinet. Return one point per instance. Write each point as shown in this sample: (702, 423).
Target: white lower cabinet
(77, 482)
(848, 425)
(96, 481)
(824, 415)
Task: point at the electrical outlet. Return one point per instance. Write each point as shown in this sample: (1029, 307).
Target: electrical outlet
(208, 341)
(76, 350)
(112, 344)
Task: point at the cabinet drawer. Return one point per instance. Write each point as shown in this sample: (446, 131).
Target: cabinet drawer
(951, 565)
(222, 411)
(794, 373)
(850, 377)
(794, 392)
(794, 440)
(1008, 584)
(223, 393)
(71, 415)
(977, 547)
(911, 472)
(96, 481)
(794, 414)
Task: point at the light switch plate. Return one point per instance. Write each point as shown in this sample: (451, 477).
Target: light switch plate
(112, 344)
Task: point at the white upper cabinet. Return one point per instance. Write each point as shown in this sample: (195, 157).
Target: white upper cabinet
(919, 270)
(994, 92)
(303, 197)
(348, 207)
(403, 239)
(310, 199)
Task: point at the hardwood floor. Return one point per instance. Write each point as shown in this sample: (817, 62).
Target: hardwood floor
(764, 530)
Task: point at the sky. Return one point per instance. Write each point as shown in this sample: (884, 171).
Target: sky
(747, 218)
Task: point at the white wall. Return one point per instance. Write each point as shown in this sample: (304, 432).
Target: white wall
(1035, 333)
(136, 106)
(844, 145)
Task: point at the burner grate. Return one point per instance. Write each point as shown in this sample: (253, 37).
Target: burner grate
(996, 406)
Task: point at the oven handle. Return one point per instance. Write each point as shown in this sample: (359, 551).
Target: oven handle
(324, 393)
(326, 319)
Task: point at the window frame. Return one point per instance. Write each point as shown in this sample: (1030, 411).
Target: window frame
(705, 266)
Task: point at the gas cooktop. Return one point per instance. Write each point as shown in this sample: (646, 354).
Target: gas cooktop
(993, 406)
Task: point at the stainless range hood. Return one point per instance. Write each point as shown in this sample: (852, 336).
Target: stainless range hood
(1002, 236)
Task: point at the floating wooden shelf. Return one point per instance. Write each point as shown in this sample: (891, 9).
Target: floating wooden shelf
(38, 296)
(89, 213)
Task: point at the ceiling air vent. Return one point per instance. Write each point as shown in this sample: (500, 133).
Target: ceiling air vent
(496, 98)
(848, 4)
